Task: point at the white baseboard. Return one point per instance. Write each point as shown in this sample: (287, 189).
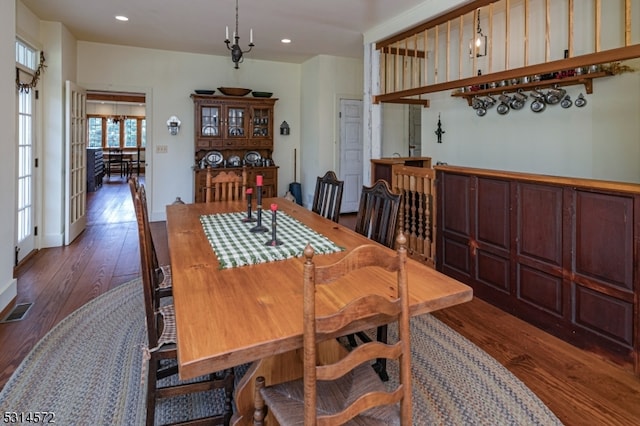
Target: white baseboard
(7, 293)
(52, 240)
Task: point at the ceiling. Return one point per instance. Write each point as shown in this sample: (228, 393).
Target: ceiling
(329, 27)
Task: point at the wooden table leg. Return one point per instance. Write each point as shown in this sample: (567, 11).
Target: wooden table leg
(277, 369)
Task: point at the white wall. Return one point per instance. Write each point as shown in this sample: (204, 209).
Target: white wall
(395, 130)
(598, 141)
(325, 79)
(8, 289)
(169, 78)
(59, 47)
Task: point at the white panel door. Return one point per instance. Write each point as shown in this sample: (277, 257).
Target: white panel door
(75, 162)
(351, 153)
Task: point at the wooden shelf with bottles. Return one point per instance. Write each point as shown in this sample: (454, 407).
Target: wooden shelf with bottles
(230, 132)
(586, 79)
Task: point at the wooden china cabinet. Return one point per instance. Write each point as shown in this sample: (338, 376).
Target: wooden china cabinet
(231, 132)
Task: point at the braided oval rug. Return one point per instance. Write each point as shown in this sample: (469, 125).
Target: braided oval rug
(88, 370)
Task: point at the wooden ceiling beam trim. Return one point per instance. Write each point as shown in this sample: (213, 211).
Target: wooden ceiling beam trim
(404, 52)
(423, 102)
(442, 19)
(116, 97)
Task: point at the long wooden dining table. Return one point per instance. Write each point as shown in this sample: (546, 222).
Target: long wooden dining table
(253, 314)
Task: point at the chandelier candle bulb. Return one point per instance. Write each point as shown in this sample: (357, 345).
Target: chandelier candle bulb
(227, 33)
(251, 35)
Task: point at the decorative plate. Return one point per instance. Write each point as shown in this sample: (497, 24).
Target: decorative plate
(213, 158)
(204, 92)
(209, 131)
(252, 158)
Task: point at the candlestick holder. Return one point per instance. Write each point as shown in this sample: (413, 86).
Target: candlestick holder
(249, 218)
(259, 227)
(273, 242)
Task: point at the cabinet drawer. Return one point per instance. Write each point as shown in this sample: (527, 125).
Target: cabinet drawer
(203, 143)
(235, 143)
(268, 174)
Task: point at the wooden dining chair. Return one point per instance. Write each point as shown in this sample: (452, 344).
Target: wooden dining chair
(378, 213)
(225, 186)
(376, 219)
(327, 197)
(347, 389)
(162, 272)
(117, 163)
(161, 353)
(136, 162)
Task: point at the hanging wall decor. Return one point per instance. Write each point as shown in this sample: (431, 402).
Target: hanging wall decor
(439, 132)
(26, 87)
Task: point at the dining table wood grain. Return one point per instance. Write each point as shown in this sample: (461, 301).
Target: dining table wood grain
(229, 317)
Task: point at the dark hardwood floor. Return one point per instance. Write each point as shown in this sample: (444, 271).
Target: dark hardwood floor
(580, 387)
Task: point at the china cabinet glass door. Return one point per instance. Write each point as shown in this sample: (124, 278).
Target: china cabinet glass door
(261, 122)
(210, 116)
(236, 122)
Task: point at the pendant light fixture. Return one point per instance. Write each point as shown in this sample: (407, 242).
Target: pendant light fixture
(478, 44)
(236, 52)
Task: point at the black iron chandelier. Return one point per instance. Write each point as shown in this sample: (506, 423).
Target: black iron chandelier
(236, 52)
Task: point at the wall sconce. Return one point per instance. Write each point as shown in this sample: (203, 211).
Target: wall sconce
(173, 124)
(284, 128)
(478, 44)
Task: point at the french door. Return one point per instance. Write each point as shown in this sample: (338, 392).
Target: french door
(25, 226)
(75, 162)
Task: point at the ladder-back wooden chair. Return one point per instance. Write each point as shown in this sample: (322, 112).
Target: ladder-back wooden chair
(378, 213)
(377, 218)
(225, 186)
(161, 352)
(162, 272)
(347, 390)
(327, 198)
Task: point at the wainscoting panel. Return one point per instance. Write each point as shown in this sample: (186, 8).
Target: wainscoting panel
(560, 253)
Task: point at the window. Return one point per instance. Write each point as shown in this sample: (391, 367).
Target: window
(95, 132)
(109, 132)
(26, 56)
(130, 133)
(113, 133)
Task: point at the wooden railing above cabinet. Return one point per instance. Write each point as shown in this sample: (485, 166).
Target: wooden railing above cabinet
(434, 56)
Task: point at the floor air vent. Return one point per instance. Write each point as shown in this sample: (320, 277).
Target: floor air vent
(18, 312)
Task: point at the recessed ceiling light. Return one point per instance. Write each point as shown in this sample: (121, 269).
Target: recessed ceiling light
(286, 40)
(122, 18)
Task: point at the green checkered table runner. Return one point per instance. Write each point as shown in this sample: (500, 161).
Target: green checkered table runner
(235, 245)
